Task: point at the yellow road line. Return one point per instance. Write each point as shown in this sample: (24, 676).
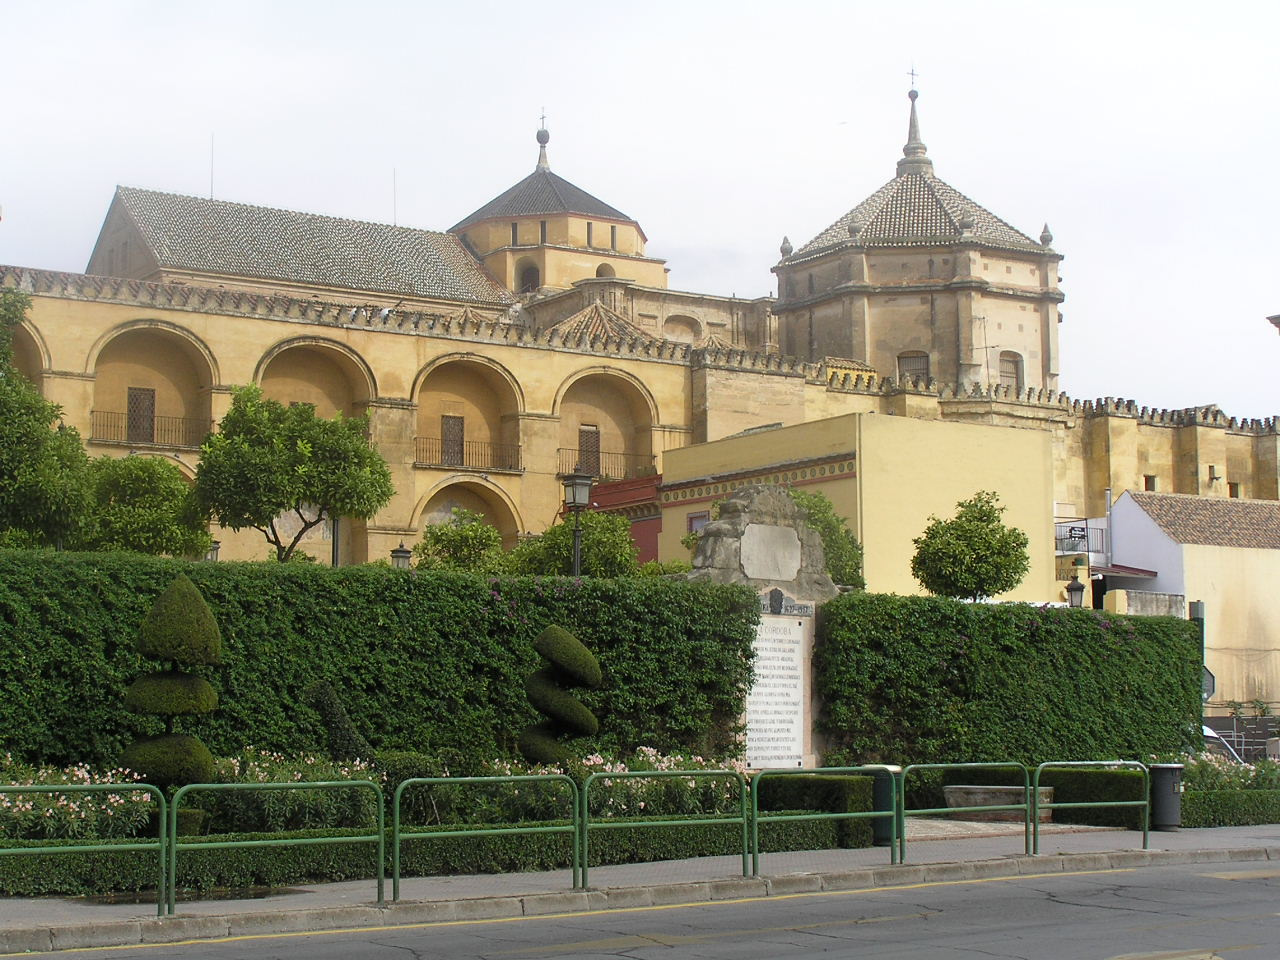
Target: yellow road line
(434, 924)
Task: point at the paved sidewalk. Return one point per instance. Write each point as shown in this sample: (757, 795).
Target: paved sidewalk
(937, 851)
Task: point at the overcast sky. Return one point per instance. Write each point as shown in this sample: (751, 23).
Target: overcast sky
(1147, 135)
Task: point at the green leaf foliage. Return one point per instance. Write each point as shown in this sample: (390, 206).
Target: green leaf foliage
(571, 664)
(1230, 808)
(44, 496)
(268, 459)
(143, 504)
(180, 627)
(467, 541)
(169, 760)
(424, 662)
(973, 555)
(840, 547)
(930, 680)
(345, 741)
(170, 693)
(607, 548)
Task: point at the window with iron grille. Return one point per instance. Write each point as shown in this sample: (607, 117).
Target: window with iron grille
(452, 445)
(589, 449)
(140, 415)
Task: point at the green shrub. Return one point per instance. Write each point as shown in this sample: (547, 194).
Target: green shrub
(180, 627)
(1072, 785)
(74, 874)
(170, 693)
(570, 665)
(170, 759)
(1230, 808)
(829, 794)
(427, 662)
(930, 680)
(345, 741)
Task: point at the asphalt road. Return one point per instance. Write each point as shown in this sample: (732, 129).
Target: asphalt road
(1187, 912)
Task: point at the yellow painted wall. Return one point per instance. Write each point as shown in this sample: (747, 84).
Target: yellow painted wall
(1242, 629)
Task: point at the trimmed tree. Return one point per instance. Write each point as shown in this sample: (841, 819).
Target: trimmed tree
(467, 541)
(267, 461)
(179, 630)
(607, 548)
(973, 555)
(569, 664)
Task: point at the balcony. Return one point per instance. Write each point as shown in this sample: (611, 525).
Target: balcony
(109, 427)
(604, 465)
(1078, 538)
(466, 455)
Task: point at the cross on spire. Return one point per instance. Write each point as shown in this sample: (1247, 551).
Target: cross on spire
(912, 74)
(542, 120)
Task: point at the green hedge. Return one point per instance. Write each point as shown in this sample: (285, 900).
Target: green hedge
(830, 794)
(241, 868)
(1230, 808)
(929, 680)
(422, 661)
(1080, 785)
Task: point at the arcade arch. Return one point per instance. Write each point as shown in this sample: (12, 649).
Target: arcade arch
(474, 495)
(327, 375)
(606, 427)
(468, 416)
(151, 387)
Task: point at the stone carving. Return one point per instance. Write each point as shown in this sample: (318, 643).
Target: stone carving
(761, 540)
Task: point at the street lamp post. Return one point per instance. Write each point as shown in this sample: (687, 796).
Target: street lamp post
(577, 495)
(400, 557)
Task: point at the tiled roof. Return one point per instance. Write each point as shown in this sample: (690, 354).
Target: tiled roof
(237, 239)
(917, 209)
(598, 322)
(1214, 521)
(542, 192)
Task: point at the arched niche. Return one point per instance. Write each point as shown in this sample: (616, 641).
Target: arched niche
(151, 387)
(606, 426)
(28, 357)
(682, 329)
(330, 376)
(476, 495)
(468, 415)
(605, 270)
(527, 275)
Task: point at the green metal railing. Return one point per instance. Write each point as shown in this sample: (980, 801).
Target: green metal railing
(571, 827)
(757, 818)
(586, 825)
(175, 844)
(159, 846)
(1144, 803)
(1025, 807)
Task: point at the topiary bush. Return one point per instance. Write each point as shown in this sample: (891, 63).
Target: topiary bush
(570, 664)
(179, 629)
(345, 741)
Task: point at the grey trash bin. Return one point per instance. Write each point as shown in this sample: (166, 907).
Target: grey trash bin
(1166, 796)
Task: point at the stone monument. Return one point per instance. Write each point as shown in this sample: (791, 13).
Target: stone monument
(761, 540)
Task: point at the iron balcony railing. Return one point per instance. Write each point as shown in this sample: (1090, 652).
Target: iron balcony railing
(472, 454)
(604, 465)
(1077, 538)
(110, 427)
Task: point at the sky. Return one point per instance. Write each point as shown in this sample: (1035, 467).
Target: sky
(1147, 135)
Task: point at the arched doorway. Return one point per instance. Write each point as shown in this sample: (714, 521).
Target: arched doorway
(476, 497)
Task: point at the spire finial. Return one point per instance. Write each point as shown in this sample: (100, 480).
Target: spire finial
(914, 155)
(543, 137)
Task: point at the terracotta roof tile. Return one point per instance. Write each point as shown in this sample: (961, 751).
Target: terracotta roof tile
(237, 239)
(597, 321)
(917, 209)
(1214, 521)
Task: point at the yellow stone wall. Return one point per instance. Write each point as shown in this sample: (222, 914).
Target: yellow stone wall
(887, 475)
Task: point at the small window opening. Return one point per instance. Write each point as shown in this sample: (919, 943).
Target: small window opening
(1149, 482)
(515, 234)
(613, 237)
(542, 231)
(589, 234)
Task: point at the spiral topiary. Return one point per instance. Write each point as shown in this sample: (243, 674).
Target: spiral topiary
(180, 629)
(570, 664)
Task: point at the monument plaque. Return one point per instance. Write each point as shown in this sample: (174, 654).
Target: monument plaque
(776, 706)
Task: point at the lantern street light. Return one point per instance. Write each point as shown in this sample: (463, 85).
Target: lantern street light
(577, 496)
(1075, 592)
(212, 552)
(400, 557)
